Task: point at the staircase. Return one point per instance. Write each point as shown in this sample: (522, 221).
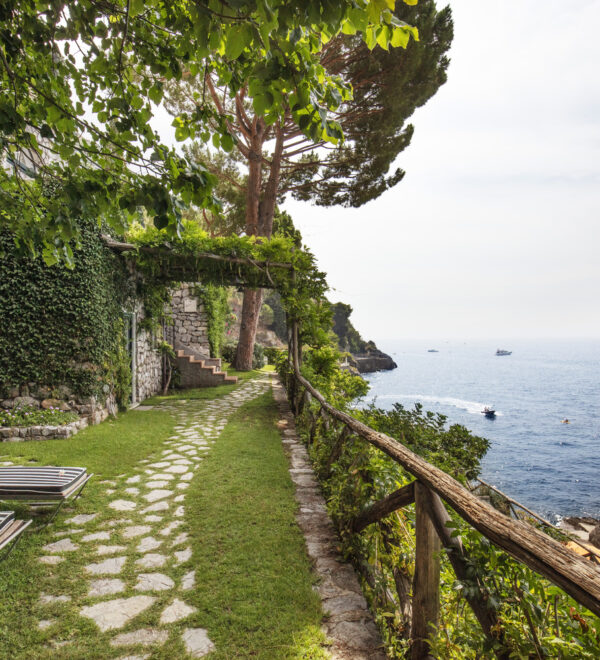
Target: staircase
(205, 372)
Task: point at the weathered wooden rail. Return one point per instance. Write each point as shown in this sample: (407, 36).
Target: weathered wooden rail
(431, 489)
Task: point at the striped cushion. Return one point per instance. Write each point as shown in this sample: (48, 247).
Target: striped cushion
(6, 517)
(51, 481)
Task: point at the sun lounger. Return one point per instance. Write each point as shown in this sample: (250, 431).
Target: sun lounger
(42, 485)
(10, 531)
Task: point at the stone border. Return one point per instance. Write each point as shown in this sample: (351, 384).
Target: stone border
(25, 433)
(349, 624)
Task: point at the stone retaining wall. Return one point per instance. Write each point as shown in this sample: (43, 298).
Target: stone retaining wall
(21, 434)
(149, 367)
(190, 323)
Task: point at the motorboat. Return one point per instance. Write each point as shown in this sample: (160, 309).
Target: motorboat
(432, 350)
(501, 351)
(490, 413)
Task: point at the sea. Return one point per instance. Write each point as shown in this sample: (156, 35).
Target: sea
(550, 467)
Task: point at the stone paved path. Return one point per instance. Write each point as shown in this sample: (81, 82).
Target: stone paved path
(139, 551)
(348, 624)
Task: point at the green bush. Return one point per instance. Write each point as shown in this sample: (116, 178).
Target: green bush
(58, 325)
(29, 416)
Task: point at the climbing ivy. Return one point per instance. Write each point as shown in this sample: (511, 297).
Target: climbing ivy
(61, 326)
(214, 300)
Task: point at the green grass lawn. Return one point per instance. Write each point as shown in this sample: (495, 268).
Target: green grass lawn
(253, 581)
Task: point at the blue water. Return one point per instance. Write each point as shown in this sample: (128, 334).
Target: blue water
(550, 467)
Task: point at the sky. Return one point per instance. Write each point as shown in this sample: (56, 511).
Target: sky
(494, 232)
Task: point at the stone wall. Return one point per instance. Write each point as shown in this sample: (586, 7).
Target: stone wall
(190, 325)
(149, 367)
(22, 433)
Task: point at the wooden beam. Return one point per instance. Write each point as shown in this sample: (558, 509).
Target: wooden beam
(578, 577)
(396, 500)
(479, 603)
(426, 580)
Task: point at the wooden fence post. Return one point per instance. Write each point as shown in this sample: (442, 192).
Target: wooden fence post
(426, 582)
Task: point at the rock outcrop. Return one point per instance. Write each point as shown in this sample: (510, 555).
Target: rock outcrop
(374, 360)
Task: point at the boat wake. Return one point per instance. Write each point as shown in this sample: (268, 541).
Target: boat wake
(472, 407)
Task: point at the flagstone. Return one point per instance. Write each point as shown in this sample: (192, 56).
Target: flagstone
(197, 642)
(188, 476)
(188, 581)
(160, 464)
(148, 543)
(182, 556)
(109, 549)
(158, 506)
(179, 512)
(176, 611)
(96, 536)
(133, 480)
(154, 582)
(181, 538)
(81, 519)
(143, 637)
(112, 614)
(132, 491)
(179, 498)
(64, 545)
(183, 485)
(67, 532)
(122, 505)
(45, 623)
(162, 475)
(152, 560)
(156, 484)
(152, 518)
(158, 494)
(170, 527)
(136, 530)
(105, 587)
(110, 566)
(176, 469)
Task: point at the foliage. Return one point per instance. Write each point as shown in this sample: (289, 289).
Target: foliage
(30, 416)
(170, 360)
(279, 323)
(214, 300)
(267, 315)
(536, 618)
(81, 81)
(60, 326)
(156, 300)
(228, 352)
(454, 449)
(349, 338)
(258, 357)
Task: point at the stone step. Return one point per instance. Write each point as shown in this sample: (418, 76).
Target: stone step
(195, 373)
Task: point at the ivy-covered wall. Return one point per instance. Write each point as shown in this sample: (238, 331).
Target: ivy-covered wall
(64, 327)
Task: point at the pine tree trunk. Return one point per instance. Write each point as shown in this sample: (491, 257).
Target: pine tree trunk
(259, 221)
(250, 313)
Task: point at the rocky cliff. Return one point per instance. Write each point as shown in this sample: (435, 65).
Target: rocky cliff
(374, 360)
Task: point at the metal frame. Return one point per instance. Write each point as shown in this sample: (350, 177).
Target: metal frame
(13, 538)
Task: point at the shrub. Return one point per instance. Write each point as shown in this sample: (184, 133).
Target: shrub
(29, 416)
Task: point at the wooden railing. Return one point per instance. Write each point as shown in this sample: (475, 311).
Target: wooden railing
(431, 489)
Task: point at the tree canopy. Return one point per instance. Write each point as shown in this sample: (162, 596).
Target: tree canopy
(80, 83)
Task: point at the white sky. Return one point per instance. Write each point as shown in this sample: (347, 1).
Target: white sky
(493, 232)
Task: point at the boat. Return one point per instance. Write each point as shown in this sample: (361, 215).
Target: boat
(490, 413)
(565, 421)
(501, 351)
(432, 350)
